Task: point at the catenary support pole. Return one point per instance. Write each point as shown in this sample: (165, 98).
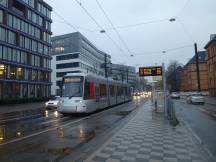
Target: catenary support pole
(197, 68)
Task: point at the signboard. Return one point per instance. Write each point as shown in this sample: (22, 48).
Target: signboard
(150, 71)
(73, 79)
(156, 78)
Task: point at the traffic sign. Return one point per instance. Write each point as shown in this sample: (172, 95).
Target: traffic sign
(150, 71)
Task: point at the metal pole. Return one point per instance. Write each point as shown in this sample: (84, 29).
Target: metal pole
(164, 89)
(197, 67)
(127, 75)
(106, 76)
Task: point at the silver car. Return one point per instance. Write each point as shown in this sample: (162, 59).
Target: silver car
(196, 98)
(54, 103)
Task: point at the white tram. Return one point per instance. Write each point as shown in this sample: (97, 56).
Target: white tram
(85, 93)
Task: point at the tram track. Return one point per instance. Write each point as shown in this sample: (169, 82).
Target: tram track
(60, 122)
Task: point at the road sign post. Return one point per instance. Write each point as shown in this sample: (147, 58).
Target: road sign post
(159, 95)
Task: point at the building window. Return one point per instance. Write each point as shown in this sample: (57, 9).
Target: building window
(59, 49)
(3, 34)
(1, 16)
(67, 65)
(2, 71)
(20, 73)
(1, 52)
(67, 57)
(4, 3)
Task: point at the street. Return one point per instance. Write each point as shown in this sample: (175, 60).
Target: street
(50, 136)
(199, 119)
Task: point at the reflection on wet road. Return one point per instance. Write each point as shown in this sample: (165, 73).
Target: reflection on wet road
(68, 134)
(26, 126)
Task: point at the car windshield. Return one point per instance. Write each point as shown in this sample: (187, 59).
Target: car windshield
(196, 95)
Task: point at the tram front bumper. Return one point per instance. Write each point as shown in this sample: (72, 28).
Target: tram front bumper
(72, 109)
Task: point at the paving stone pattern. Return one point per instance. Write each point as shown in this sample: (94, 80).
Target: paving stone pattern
(148, 137)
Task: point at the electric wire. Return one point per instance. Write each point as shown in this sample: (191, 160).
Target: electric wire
(119, 36)
(164, 51)
(185, 30)
(65, 21)
(92, 18)
(134, 25)
(183, 8)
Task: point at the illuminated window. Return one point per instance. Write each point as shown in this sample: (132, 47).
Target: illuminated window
(59, 49)
(2, 70)
(20, 73)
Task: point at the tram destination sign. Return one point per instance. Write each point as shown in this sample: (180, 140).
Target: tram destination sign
(150, 71)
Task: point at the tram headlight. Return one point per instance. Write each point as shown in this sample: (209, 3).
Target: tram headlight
(78, 101)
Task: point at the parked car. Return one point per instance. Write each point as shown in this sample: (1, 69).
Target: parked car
(175, 95)
(54, 102)
(195, 98)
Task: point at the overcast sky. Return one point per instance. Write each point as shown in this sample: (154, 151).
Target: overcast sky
(195, 23)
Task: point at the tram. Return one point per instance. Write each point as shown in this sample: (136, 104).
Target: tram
(85, 93)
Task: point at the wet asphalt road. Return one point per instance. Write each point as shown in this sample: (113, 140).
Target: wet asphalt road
(199, 119)
(47, 136)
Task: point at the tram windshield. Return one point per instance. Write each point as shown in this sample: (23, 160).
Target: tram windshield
(73, 86)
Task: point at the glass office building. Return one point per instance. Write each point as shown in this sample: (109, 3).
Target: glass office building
(25, 41)
(73, 53)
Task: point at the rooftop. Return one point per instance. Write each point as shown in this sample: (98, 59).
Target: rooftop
(212, 40)
(201, 55)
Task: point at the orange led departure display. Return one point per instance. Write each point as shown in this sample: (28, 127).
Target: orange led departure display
(150, 71)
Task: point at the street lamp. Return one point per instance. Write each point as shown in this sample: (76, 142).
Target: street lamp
(102, 31)
(172, 19)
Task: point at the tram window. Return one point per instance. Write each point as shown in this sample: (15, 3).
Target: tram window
(119, 91)
(97, 91)
(126, 92)
(112, 90)
(103, 91)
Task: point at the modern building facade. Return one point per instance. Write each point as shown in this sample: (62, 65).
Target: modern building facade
(25, 40)
(123, 73)
(211, 64)
(189, 74)
(74, 53)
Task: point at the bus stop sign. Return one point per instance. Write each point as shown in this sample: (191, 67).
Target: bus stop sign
(150, 71)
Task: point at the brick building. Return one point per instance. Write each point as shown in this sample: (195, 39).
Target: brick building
(211, 64)
(189, 76)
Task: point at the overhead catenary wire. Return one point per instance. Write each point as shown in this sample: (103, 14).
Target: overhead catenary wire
(65, 21)
(183, 8)
(101, 28)
(135, 25)
(111, 23)
(184, 29)
(164, 51)
(181, 22)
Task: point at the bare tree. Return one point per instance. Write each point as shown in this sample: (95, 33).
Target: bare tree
(173, 76)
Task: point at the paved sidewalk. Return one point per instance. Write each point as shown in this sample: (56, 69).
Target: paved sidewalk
(21, 107)
(148, 137)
